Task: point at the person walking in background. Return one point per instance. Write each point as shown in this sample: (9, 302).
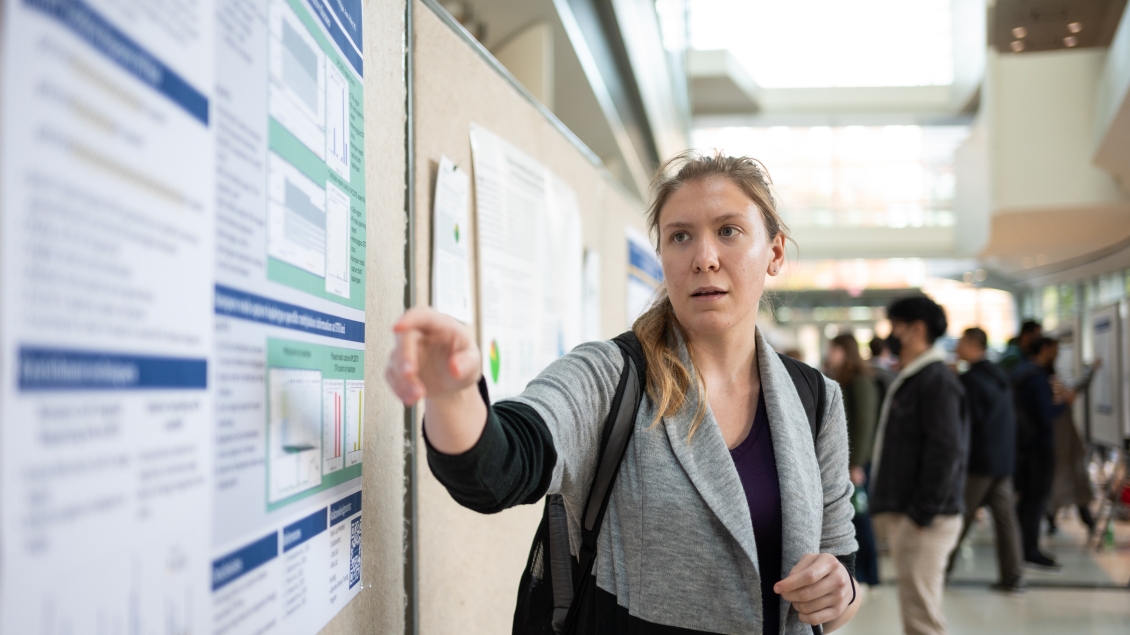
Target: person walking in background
(918, 463)
(861, 403)
(1018, 348)
(1071, 486)
(1036, 412)
(992, 456)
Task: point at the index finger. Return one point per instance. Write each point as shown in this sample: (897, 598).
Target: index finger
(421, 319)
(810, 570)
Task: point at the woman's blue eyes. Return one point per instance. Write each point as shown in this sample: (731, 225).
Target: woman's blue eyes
(726, 232)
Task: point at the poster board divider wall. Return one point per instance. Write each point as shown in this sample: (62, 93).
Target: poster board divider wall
(380, 607)
(411, 518)
(468, 564)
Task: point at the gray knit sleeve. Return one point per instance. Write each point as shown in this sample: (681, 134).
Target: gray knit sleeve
(573, 396)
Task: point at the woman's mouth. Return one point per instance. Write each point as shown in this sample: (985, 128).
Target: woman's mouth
(708, 293)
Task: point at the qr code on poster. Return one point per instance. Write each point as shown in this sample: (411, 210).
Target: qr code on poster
(355, 552)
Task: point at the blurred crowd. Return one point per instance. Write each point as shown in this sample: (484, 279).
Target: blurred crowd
(930, 446)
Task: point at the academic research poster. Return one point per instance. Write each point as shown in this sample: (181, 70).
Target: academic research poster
(182, 204)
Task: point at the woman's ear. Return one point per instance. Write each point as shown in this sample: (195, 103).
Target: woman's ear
(777, 260)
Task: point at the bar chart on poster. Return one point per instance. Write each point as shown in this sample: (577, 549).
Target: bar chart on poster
(182, 315)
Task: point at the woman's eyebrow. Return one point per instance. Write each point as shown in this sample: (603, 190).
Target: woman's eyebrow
(682, 224)
(729, 217)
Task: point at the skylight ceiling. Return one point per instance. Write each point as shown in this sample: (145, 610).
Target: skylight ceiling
(831, 43)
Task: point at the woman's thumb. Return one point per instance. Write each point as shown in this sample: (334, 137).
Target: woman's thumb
(463, 364)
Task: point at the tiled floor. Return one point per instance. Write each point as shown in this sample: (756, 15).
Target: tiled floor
(1083, 564)
(1055, 603)
(977, 611)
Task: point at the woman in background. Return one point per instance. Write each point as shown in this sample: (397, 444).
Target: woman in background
(1072, 484)
(861, 403)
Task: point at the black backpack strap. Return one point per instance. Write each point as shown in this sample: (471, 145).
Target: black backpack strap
(809, 384)
(810, 388)
(613, 444)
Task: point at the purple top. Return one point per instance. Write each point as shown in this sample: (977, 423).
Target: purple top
(757, 468)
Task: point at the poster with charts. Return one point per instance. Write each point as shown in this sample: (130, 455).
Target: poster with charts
(182, 235)
(106, 326)
(1106, 386)
(530, 252)
(289, 314)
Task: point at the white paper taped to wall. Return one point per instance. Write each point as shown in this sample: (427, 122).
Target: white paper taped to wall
(529, 257)
(451, 270)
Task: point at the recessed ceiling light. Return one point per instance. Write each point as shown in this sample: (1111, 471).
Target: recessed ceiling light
(1070, 41)
(1017, 46)
(1075, 27)
(1020, 31)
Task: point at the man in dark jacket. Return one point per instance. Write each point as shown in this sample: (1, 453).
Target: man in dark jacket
(918, 465)
(1036, 412)
(992, 456)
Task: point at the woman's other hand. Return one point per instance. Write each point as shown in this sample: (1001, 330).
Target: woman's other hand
(820, 589)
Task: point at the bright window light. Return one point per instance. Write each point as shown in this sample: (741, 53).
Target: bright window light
(831, 43)
(869, 176)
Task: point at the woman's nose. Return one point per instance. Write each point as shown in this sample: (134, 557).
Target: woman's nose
(706, 256)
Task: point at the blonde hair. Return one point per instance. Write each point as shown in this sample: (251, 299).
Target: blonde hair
(668, 379)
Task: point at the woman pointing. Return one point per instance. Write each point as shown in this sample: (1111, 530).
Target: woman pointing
(727, 516)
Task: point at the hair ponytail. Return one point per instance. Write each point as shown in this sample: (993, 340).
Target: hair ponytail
(668, 380)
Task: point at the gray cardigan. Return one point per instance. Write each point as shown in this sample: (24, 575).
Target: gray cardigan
(677, 544)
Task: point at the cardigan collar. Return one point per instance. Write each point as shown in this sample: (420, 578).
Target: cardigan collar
(707, 462)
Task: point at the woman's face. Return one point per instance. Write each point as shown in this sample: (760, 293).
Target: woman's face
(715, 253)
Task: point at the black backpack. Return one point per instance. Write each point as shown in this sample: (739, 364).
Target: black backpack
(554, 584)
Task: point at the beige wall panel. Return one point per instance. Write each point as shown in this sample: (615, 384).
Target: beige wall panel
(469, 564)
(379, 608)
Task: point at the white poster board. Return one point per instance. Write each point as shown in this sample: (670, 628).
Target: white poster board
(1106, 387)
(530, 251)
(183, 315)
(1125, 348)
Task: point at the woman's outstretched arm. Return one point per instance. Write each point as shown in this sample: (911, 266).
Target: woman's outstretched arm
(489, 458)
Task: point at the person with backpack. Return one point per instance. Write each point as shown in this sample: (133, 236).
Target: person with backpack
(992, 457)
(918, 464)
(726, 504)
(1036, 412)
